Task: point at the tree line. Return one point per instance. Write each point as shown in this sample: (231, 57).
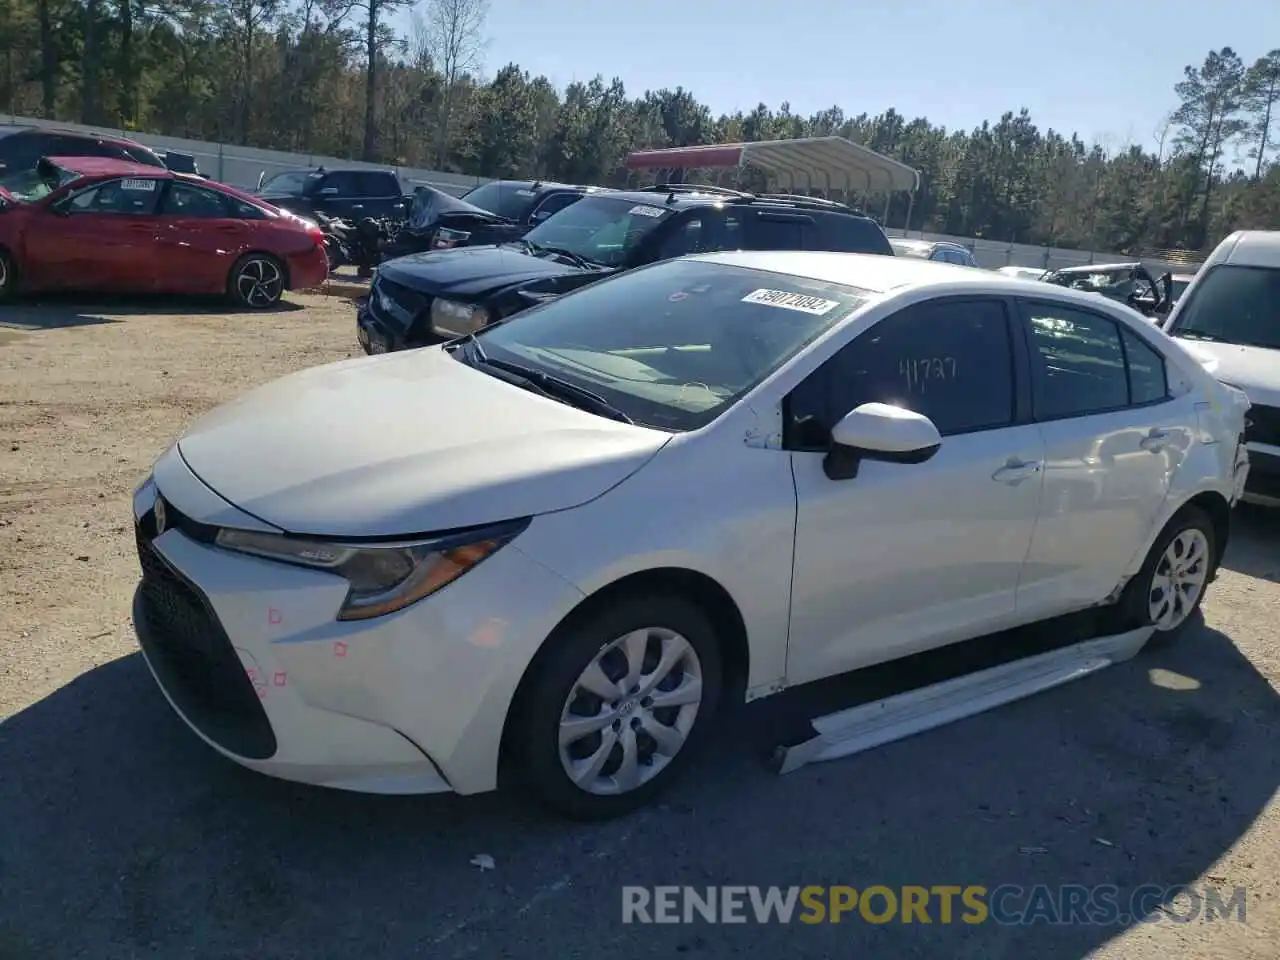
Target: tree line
(333, 77)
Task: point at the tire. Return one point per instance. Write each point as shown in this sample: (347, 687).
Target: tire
(257, 282)
(8, 276)
(556, 692)
(1187, 544)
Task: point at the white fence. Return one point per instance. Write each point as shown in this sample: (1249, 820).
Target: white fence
(241, 166)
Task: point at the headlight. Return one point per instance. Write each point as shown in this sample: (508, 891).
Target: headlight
(383, 577)
(449, 318)
(446, 238)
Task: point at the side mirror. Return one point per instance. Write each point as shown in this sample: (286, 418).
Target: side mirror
(878, 431)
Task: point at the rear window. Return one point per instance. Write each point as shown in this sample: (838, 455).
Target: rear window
(511, 200)
(294, 183)
(1232, 304)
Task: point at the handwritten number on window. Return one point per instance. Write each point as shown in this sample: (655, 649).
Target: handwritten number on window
(918, 372)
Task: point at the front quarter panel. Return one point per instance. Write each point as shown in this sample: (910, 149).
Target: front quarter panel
(708, 503)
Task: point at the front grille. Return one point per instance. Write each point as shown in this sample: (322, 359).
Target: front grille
(194, 659)
(406, 298)
(1264, 425)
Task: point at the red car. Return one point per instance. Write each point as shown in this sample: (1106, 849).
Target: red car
(97, 224)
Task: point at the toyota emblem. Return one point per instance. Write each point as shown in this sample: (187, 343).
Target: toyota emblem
(160, 519)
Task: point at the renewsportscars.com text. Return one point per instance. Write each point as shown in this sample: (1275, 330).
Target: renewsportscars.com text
(1007, 904)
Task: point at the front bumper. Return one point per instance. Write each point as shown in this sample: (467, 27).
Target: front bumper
(1262, 487)
(248, 653)
(404, 326)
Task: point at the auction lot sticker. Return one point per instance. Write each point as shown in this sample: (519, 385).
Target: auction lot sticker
(791, 301)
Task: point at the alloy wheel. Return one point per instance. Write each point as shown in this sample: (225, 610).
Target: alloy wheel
(259, 283)
(630, 711)
(1179, 579)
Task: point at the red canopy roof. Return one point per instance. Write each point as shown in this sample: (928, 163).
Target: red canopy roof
(831, 162)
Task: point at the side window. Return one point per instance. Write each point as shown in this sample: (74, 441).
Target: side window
(690, 236)
(245, 211)
(554, 204)
(951, 360)
(132, 196)
(1148, 382)
(1077, 362)
(374, 183)
(769, 231)
(184, 200)
(21, 152)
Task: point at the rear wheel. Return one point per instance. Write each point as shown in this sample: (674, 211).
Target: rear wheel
(8, 276)
(256, 281)
(619, 706)
(1169, 588)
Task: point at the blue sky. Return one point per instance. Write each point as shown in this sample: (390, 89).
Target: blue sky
(1104, 68)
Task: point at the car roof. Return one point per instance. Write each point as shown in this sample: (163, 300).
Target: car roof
(109, 167)
(881, 274)
(13, 130)
(1256, 248)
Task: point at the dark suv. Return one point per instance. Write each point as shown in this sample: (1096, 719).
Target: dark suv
(427, 298)
(22, 147)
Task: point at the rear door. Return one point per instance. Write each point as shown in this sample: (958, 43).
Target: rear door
(100, 238)
(199, 238)
(1113, 437)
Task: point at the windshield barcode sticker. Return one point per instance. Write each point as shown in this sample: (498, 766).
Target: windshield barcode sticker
(146, 186)
(643, 211)
(791, 301)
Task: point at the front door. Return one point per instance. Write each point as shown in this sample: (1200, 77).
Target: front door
(909, 556)
(1113, 440)
(99, 238)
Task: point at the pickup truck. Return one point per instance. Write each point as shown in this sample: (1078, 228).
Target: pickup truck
(352, 194)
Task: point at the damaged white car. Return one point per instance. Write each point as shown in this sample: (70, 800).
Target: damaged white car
(558, 546)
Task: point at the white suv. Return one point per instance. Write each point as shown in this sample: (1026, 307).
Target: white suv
(1230, 314)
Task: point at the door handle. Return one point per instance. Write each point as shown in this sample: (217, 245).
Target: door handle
(1154, 441)
(1015, 471)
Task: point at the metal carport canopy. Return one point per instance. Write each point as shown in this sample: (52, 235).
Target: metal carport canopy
(832, 161)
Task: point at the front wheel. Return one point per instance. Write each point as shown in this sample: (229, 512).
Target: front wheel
(619, 706)
(256, 282)
(1169, 588)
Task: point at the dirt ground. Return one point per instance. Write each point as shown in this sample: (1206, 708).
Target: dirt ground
(123, 836)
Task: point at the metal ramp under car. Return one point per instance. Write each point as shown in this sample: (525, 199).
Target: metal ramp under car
(970, 679)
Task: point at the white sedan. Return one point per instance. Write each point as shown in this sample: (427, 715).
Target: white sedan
(558, 547)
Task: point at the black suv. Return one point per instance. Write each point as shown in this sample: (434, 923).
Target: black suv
(427, 298)
(350, 193)
(22, 147)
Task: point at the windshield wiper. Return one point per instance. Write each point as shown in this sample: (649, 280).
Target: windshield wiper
(559, 389)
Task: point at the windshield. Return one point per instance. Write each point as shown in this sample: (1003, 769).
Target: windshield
(505, 199)
(1233, 304)
(291, 184)
(603, 230)
(1110, 282)
(675, 344)
(32, 185)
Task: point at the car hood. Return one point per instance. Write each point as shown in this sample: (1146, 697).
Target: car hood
(473, 271)
(1255, 370)
(430, 204)
(406, 443)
